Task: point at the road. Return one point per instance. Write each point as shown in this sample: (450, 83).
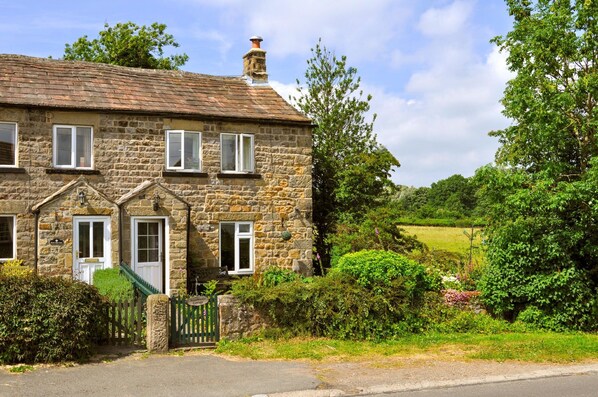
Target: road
(585, 385)
(205, 376)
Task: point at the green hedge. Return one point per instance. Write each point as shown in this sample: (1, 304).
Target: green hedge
(46, 319)
(379, 302)
(113, 285)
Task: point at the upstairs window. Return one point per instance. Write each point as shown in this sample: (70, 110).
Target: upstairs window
(7, 237)
(236, 152)
(8, 144)
(73, 146)
(236, 247)
(183, 150)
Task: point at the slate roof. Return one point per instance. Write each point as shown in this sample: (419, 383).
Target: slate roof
(79, 85)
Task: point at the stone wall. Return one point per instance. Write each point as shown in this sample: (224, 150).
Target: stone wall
(55, 221)
(238, 320)
(129, 150)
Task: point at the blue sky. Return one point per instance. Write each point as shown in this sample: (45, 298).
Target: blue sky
(436, 80)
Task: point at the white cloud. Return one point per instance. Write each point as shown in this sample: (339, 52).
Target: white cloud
(356, 28)
(445, 21)
(442, 128)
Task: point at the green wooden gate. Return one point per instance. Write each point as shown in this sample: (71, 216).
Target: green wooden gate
(193, 324)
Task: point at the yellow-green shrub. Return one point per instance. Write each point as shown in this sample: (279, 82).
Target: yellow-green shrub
(14, 267)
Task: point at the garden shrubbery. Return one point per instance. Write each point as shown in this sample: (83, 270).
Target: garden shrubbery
(352, 301)
(111, 284)
(46, 319)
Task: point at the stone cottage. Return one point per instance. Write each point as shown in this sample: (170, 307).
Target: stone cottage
(168, 171)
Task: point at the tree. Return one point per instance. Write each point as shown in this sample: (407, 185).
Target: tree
(553, 49)
(127, 44)
(351, 170)
(543, 234)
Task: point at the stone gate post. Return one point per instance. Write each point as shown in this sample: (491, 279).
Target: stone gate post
(157, 323)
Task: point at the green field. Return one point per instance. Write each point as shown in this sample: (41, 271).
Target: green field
(444, 238)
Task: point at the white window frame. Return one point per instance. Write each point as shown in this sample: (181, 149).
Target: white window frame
(14, 236)
(237, 237)
(73, 164)
(239, 153)
(181, 168)
(16, 159)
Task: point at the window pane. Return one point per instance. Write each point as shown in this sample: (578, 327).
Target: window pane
(84, 231)
(174, 149)
(7, 144)
(63, 146)
(229, 148)
(227, 245)
(244, 253)
(141, 255)
(98, 239)
(247, 148)
(244, 227)
(7, 237)
(192, 145)
(83, 154)
(152, 242)
(152, 228)
(152, 255)
(141, 242)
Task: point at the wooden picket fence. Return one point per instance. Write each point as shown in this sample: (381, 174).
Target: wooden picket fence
(125, 325)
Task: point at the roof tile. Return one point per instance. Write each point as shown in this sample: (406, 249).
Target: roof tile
(93, 86)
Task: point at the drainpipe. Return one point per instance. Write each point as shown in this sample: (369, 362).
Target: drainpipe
(188, 239)
(35, 245)
(120, 234)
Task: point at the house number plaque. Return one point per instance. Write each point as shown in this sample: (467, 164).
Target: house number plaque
(197, 300)
(56, 241)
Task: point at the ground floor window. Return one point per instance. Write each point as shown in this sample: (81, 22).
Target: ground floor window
(236, 246)
(7, 237)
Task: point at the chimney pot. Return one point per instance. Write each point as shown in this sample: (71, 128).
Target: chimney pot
(256, 41)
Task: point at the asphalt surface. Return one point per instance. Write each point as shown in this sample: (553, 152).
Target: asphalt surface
(201, 375)
(581, 385)
(209, 375)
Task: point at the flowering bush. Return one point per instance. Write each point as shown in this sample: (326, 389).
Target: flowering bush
(14, 267)
(460, 299)
(451, 282)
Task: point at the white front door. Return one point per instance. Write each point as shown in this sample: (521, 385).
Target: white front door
(147, 251)
(91, 246)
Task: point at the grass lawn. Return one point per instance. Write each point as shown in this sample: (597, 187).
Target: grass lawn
(444, 238)
(528, 347)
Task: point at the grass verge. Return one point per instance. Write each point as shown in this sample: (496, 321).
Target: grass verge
(536, 347)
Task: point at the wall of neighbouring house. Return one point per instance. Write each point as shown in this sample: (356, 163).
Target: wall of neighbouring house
(130, 150)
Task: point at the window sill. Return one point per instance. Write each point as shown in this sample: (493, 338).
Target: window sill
(238, 274)
(233, 175)
(184, 174)
(71, 171)
(12, 170)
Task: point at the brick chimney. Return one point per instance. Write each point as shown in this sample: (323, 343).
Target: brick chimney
(254, 62)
